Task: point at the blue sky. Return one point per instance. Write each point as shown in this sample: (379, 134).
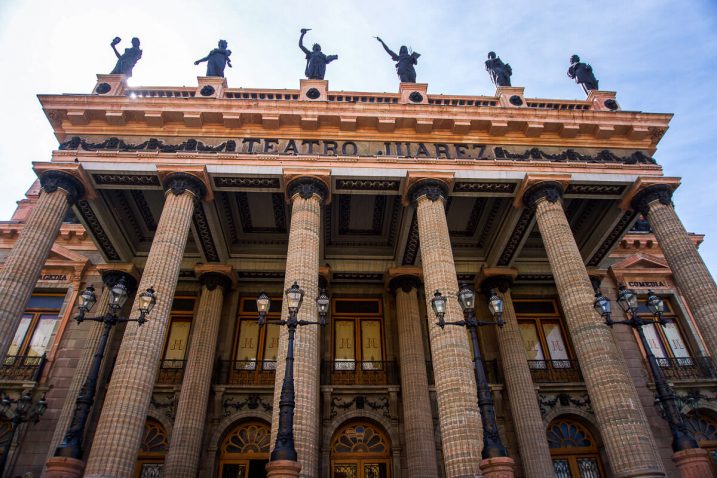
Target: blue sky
(660, 56)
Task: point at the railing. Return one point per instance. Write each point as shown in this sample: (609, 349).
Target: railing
(171, 372)
(160, 92)
(350, 372)
(491, 368)
(546, 371)
(22, 367)
(687, 368)
(245, 372)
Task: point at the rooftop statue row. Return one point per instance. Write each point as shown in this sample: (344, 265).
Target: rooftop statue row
(316, 62)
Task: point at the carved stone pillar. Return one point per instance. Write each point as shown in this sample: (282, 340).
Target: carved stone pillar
(302, 266)
(417, 416)
(119, 431)
(24, 263)
(186, 442)
(529, 426)
(110, 277)
(461, 429)
(690, 272)
(628, 440)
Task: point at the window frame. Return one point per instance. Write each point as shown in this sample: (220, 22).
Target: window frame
(356, 319)
(179, 316)
(537, 319)
(263, 331)
(37, 313)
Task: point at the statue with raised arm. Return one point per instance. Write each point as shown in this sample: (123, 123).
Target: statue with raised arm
(499, 72)
(127, 60)
(583, 74)
(217, 59)
(315, 59)
(404, 62)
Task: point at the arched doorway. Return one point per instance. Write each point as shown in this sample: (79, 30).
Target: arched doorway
(155, 443)
(244, 452)
(574, 450)
(704, 428)
(360, 449)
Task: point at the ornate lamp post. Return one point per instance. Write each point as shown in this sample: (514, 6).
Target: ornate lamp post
(284, 448)
(71, 445)
(682, 438)
(492, 446)
(25, 411)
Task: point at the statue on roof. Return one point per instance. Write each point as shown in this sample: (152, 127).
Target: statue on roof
(499, 72)
(127, 60)
(217, 59)
(316, 61)
(583, 74)
(404, 62)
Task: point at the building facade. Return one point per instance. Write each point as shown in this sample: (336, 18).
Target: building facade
(211, 195)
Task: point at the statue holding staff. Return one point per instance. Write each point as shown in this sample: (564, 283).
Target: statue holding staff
(316, 61)
(404, 62)
(499, 72)
(127, 60)
(217, 59)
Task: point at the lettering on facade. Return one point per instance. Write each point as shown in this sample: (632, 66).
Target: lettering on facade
(646, 285)
(53, 277)
(397, 149)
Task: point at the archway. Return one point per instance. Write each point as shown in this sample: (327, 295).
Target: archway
(360, 449)
(152, 451)
(244, 451)
(704, 428)
(574, 450)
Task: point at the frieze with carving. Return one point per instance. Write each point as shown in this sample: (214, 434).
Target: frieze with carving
(250, 402)
(204, 233)
(548, 402)
(617, 232)
(521, 228)
(360, 402)
(398, 149)
(90, 219)
(165, 402)
(412, 244)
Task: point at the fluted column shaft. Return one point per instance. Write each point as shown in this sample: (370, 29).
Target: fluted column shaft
(119, 431)
(459, 418)
(628, 440)
(529, 427)
(689, 270)
(417, 416)
(302, 266)
(185, 444)
(24, 263)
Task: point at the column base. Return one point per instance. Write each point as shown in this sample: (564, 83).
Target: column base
(498, 467)
(693, 463)
(64, 467)
(283, 469)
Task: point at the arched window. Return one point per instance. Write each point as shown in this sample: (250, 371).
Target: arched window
(704, 428)
(360, 450)
(244, 452)
(152, 451)
(574, 450)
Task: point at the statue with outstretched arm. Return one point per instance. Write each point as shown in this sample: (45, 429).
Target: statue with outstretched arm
(217, 59)
(127, 60)
(316, 61)
(404, 62)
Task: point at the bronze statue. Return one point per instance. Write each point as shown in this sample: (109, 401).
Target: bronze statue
(583, 74)
(499, 72)
(315, 60)
(404, 62)
(127, 60)
(217, 59)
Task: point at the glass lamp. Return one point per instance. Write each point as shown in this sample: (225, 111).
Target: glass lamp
(466, 298)
(627, 299)
(295, 295)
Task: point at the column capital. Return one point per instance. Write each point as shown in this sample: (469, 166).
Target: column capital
(647, 186)
(179, 182)
(431, 189)
(71, 179)
(658, 192)
(405, 283)
(536, 187)
(306, 187)
(550, 191)
(500, 278)
(112, 273)
(213, 275)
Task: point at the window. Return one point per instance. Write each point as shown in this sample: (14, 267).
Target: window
(358, 334)
(244, 452)
(180, 325)
(36, 325)
(152, 451)
(574, 451)
(704, 429)
(256, 347)
(665, 341)
(360, 450)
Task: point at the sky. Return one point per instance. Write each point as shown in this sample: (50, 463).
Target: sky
(659, 56)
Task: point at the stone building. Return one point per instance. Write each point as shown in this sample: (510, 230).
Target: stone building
(211, 195)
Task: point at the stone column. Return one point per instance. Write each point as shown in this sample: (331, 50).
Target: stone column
(302, 266)
(690, 272)
(119, 431)
(24, 263)
(417, 416)
(459, 418)
(186, 442)
(529, 426)
(628, 440)
(110, 277)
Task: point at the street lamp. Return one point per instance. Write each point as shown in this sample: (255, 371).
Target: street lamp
(25, 411)
(492, 445)
(284, 448)
(71, 445)
(682, 437)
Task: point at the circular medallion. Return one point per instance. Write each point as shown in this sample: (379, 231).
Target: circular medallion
(103, 88)
(313, 93)
(207, 90)
(610, 104)
(415, 97)
(516, 100)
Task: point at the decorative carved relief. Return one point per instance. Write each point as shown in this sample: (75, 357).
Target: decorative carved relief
(90, 219)
(258, 183)
(521, 228)
(126, 179)
(205, 234)
(549, 401)
(367, 184)
(359, 402)
(251, 402)
(617, 232)
(463, 186)
(412, 244)
(569, 155)
(166, 402)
